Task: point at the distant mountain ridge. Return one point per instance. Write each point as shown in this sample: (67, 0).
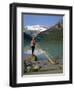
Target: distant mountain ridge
(53, 33)
(36, 27)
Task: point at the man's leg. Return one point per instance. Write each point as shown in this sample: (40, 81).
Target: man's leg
(33, 50)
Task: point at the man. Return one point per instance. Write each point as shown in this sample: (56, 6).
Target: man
(33, 43)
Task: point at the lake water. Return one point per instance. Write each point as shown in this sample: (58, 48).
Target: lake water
(54, 49)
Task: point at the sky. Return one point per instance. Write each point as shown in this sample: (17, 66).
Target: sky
(40, 19)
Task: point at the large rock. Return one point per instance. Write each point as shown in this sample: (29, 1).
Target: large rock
(31, 58)
(28, 63)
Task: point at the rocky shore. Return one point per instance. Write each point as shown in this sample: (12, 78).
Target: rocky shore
(33, 66)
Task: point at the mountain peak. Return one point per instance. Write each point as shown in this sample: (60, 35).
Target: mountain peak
(36, 28)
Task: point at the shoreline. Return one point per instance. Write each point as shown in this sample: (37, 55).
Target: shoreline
(46, 69)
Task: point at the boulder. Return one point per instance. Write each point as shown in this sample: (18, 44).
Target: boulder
(32, 58)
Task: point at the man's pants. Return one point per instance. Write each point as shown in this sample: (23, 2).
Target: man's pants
(33, 48)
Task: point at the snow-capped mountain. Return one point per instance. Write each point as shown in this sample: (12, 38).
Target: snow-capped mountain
(36, 28)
